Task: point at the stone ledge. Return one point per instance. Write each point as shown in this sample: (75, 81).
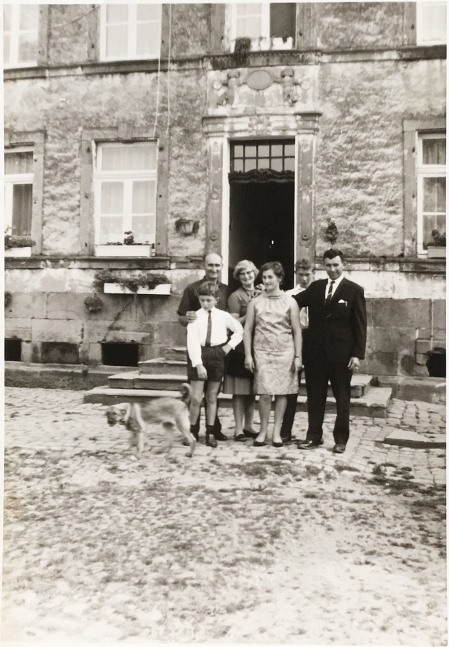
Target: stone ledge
(423, 389)
(413, 440)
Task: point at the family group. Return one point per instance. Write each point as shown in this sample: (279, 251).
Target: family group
(259, 340)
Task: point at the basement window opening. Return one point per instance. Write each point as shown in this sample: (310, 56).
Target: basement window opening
(13, 350)
(120, 353)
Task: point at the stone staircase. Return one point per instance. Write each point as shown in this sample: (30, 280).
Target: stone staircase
(163, 375)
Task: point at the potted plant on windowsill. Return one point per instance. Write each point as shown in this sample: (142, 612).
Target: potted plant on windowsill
(129, 247)
(128, 282)
(17, 246)
(437, 248)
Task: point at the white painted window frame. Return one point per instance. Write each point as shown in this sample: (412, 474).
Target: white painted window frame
(264, 41)
(132, 35)
(421, 37)
(12, 179)
(425, 171)
(127, 177)
(14, 40)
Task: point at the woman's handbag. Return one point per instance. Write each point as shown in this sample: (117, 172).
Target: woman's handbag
(235, 362)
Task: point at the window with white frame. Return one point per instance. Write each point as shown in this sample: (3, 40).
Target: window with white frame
(125, 192)
(20, 34)
(18, 191)
(431, 189)
(269, 26)
(431, 23)
(130, 31)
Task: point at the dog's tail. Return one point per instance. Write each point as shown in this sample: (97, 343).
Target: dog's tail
(186, 393)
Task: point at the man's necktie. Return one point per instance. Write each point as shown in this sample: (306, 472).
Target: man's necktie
(209, 328)
(329, 294)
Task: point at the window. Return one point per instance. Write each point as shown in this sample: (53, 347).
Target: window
(18, 186)
(431, 23)
(130, 31)
(431, 189)
(20, 35)
(275, 155)
(270, 26)
(125, 192)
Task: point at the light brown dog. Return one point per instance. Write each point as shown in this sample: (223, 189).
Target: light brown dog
(171, 412)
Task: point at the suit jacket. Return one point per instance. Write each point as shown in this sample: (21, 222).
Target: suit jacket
(338, 329)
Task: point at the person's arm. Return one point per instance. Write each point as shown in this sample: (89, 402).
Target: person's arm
(234, 308)
(297, 334)
(186, 313)
(194, 344)
(303, 298)
(248, 336)
(358, 321)
(237, 333)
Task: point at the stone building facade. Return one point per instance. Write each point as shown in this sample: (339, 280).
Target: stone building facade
(208, 127)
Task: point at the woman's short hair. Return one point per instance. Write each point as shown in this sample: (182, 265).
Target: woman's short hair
(244, 265)
(275, 267)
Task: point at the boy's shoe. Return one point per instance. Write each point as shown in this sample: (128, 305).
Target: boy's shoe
(219, 435)
(211, 441)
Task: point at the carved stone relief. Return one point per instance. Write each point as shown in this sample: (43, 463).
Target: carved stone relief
(261, 87)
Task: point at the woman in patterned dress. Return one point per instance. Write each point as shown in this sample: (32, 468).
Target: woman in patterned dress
(238, 380)
(273, 342)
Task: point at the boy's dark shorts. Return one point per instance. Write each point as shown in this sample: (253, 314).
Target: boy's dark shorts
(213, 358)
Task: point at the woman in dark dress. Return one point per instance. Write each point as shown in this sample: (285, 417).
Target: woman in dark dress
(238, 380)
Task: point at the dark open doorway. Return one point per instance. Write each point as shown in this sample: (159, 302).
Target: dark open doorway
(261, 226)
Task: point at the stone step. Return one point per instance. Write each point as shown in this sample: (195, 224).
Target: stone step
(374, 403)
(161, 366)
(176, 353)
(360, 384)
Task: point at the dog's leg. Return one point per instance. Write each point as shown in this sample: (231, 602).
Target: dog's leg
(183, 424)
(169, 437)
(140, 429)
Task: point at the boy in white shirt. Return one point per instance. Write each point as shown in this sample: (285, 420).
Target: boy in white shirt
(207, 347)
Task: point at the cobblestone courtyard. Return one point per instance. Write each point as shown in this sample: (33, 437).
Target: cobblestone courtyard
(238, 544)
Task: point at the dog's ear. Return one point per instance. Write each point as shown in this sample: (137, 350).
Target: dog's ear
(186, 393)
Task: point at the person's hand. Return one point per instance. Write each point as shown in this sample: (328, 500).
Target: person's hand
(354, 364)
(297, 364)
(226, 349)
(191, 316)
(258, 289)
(202, 373)
(249, 364)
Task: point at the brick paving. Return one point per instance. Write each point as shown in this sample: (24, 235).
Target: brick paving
(59, 420)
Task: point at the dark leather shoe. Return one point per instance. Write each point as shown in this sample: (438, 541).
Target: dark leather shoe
(219, 435)
(308, 444)
(339, 448)
(211, 441)
(281, 444)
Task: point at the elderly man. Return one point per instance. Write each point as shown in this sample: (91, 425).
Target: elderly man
(213, 264)
(336, 342)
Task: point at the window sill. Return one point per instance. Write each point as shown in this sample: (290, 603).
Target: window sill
(436, 252)
(123, 251)
(18, 252)
(164, 289)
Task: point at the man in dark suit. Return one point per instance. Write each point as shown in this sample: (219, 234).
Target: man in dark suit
(335, 345)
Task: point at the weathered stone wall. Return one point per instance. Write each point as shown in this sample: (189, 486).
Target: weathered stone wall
(68, 27)
(65, 105)
(344, 25)
(359, 172)
(190, 29)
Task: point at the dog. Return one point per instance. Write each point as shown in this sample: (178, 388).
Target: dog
(171, 412)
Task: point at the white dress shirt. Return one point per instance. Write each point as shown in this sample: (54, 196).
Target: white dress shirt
(335, 286)
(222, 322)
(303, 312)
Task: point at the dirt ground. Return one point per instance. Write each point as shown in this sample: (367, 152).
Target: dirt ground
(99, 547)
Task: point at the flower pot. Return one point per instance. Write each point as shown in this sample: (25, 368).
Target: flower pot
(436, 252)
(18, 252)
(122, 250)
(116, 288)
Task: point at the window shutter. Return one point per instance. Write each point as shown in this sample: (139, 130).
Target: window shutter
(282, 20)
